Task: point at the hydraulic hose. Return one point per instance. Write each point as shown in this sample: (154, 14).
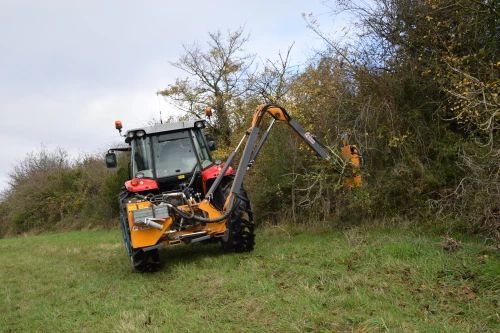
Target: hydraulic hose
(184, 214)
(224, 216)
(192, 179)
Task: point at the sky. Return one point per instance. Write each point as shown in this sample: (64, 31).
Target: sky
(69, 69)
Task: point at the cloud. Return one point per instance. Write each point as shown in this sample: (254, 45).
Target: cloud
(71, 68)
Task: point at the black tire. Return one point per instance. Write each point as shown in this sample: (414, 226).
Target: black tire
(240, 236)
(145, 261)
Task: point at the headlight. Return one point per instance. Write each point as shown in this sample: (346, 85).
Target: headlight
(130, 134)
(140, 133)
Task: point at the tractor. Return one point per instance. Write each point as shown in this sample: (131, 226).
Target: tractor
(178, 193)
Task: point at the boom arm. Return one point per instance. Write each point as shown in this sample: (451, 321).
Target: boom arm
(250, 154)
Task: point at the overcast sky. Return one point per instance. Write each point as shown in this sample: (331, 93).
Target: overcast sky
(69, 69)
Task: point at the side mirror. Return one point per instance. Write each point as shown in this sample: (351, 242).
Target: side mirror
(212, 143)
(111, 160)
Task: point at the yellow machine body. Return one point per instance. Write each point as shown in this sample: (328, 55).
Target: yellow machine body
(355, 160)
(143, 235)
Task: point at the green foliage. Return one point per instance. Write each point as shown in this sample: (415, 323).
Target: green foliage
(114, 183)
(417, 86)
(50, 191)
(20, 221)
(270, 179)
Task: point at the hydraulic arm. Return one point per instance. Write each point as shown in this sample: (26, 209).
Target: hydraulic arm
(250, 153)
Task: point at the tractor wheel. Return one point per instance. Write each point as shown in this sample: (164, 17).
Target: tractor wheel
(142, 261)
(240, 236)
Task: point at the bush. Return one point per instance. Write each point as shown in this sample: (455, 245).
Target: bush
(51, 191)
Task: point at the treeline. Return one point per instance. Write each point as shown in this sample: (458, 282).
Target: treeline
(414, 83)
(52, 191)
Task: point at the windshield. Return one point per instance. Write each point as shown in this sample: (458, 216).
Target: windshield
(141, 157)
(174, 154)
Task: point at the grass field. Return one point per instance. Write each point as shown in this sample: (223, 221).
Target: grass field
(319, 280)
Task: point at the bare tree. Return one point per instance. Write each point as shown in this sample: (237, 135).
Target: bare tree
(219, 76)
(274, 82)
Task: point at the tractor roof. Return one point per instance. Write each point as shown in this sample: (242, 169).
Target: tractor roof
(158, 128)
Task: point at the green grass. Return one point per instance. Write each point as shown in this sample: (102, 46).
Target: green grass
(318, 280)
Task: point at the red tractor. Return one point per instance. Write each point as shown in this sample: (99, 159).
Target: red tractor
(179, 194)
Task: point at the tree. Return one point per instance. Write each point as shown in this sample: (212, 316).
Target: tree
(219, 76)
(430, 71)
(275, 81)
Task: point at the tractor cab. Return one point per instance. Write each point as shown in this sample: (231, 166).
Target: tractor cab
(170, 154)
